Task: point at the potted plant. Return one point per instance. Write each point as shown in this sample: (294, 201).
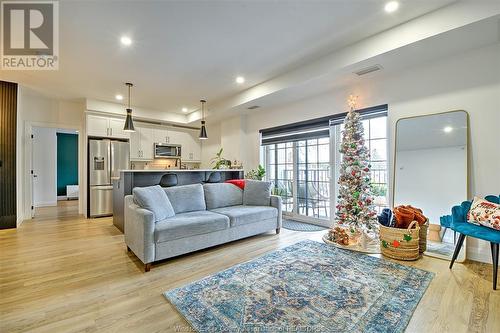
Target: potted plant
(220, 162)
(257, 174)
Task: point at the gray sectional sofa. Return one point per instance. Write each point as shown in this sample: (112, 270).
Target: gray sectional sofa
(193, 217)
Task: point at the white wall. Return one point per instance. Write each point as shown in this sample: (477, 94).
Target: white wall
(44, 166)
(431, 179)
(210, 146)
(468, 81)
(234, 130)
(37, 110)
(232, 140)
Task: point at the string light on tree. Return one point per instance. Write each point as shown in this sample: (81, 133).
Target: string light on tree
(355, 209)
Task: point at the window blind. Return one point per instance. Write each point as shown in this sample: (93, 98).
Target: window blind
(314, 128)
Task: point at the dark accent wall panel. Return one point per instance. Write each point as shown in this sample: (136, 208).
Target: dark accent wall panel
(8, 114)
(67, 161)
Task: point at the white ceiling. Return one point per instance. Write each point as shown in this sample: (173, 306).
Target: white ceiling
(394, 63)
(187, 50)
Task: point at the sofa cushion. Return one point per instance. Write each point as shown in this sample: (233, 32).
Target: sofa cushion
(154, 199)
(186, 198)
(222, 195)
(240, 215)
(257, 193)
(189, 224)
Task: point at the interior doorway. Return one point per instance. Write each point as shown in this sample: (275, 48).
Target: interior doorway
(54, 173)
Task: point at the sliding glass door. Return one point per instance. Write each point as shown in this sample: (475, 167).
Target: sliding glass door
(300, 173)
(313, 179)
(304, 169)
(280, 172)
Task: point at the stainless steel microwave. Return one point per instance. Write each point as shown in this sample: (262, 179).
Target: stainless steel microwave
(167, 150)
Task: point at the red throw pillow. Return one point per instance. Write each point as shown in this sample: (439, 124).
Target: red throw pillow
(238, 182)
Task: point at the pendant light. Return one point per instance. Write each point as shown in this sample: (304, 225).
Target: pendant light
(129, 124)
(203, 130)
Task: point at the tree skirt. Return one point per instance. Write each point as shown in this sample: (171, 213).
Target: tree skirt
(306, 287)
(373, 248)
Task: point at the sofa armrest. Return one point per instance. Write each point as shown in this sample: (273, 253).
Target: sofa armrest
(139, 230)
(277, 203)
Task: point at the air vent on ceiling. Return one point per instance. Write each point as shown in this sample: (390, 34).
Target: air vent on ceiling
(367, 70)
(253, 107)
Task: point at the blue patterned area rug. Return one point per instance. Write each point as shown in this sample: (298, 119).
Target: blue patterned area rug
(306, 287)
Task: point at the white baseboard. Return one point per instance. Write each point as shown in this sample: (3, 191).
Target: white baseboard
(19, 221)
(46, 204)
(64, 198)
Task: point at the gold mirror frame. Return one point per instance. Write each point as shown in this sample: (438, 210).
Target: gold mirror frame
(463, 252)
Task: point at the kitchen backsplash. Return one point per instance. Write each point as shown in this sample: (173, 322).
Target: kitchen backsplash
(161, 164)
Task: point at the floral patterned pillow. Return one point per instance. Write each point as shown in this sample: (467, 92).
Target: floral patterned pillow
(484, 213)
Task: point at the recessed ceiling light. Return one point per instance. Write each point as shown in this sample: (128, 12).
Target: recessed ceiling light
(448, 129)
(240, 79)
(119, 97)
(184, 109)
(126, 40)
(391, 6)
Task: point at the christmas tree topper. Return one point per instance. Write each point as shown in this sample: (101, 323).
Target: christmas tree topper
(351, 101)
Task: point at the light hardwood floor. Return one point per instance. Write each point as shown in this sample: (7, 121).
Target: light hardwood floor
(65, 209)
(75, 275)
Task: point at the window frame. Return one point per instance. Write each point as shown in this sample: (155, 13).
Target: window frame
(334, 140)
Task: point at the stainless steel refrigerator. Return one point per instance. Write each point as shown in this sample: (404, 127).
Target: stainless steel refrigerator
(106, 159)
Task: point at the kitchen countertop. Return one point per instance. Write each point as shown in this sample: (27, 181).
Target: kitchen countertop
(180, 170)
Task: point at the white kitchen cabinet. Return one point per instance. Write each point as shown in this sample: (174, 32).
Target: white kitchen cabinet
(142, 143)
(191, 147)
(135, 144)
(174, 136)
(106, 127)
(160, 135)
(196, 146)
(147, 143)
(97, 126)
(116, 128)
(143, 139)
(166, 135)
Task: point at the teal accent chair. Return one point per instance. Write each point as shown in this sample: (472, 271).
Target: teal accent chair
(445, 222)
(459, 224)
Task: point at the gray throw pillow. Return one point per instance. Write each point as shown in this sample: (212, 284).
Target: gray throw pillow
(155, 199)
(256, 193)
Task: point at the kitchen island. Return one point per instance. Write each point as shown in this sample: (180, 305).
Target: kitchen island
(140, 178)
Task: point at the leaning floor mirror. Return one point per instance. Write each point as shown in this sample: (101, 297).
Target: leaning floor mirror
(430, 172)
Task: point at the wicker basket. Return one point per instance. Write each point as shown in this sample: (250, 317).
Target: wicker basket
(400, 244)
(422, 234)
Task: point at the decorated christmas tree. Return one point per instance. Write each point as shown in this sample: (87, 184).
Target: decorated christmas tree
(355, 209)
